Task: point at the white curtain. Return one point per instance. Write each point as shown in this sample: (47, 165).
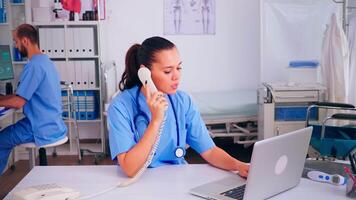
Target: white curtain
(352, 44)
(292, 30)
(335, 61)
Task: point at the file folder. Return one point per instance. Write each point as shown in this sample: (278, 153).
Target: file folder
(85, 73)
(78, 75)
(49, 42)
(92, 83)
(76, 38)
(87, 41)
(58, 42)
(70, 42)
(42, 36)
(70, 73)
(60, 66)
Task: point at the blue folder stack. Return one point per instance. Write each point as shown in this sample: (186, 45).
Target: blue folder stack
(86, 103)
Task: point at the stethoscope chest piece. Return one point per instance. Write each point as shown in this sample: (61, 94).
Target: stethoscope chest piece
(179, 152)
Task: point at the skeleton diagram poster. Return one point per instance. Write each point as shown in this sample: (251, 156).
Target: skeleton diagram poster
(184, 17)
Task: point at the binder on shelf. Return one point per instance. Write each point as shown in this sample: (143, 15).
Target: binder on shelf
(78, 75)
(81, 104)
(87, 41)
(86, 103)
(91, 105)
(58, 42)
(49, 42)
(76, 42)
(61, 68)
(84, 70)
(42, 36)
(70, 42)
(70, 73)
(91, 74)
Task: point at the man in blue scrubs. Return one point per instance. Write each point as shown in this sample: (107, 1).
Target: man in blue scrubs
(39, 94)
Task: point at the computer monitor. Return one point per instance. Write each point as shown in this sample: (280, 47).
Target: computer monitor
(6, 68)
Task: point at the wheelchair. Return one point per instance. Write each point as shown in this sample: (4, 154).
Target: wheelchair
(332, 141)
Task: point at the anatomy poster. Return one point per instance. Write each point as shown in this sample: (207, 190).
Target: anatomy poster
(184, 17)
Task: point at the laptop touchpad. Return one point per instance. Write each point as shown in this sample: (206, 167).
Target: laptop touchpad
(232, 181)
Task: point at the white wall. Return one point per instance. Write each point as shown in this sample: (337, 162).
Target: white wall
(229, 59)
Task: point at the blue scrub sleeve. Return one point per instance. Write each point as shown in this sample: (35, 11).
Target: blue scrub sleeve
(197, 134)
(121, 137)
(30, 79)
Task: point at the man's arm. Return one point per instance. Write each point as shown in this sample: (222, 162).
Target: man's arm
(12, 101)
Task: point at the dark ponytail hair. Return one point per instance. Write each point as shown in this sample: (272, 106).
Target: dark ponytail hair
(138, 55)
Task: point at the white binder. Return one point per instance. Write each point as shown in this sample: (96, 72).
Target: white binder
(83, 42)
(61, 68)
(77, 46)
(87, 41)
(49, 42)
(70, 73)
(78, 75)
(58, 41)
(85, 73)
(91, 74)
(42, 36)
(70, 42)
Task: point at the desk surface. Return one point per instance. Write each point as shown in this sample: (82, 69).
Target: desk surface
(167, 182)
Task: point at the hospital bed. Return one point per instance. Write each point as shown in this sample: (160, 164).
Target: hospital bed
(336, 139)
(229, 114)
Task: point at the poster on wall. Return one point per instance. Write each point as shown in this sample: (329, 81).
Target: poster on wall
(189, 17)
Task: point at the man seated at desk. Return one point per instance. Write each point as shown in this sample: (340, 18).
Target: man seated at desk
(39, 94)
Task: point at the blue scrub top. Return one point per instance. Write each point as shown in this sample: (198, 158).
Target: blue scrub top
(124, 133)
(40, 86)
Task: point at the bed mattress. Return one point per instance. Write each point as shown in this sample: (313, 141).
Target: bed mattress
(224, 105)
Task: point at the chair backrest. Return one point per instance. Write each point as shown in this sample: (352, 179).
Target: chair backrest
(69, 104)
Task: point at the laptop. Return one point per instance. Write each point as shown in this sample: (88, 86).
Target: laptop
(276, 165)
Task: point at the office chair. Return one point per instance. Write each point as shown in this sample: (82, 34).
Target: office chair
(69, 106)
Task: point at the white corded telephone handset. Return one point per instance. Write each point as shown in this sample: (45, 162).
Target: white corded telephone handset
(55, 192)
(46, 192)
(144, 75)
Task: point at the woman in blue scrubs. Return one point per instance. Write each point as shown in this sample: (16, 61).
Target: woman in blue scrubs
(135, 115)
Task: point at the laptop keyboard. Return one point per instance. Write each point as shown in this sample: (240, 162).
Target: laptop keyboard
(235, 193)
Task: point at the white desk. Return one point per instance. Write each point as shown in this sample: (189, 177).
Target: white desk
(167, 182)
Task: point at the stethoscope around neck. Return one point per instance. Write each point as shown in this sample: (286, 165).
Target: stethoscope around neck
(179, 151)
